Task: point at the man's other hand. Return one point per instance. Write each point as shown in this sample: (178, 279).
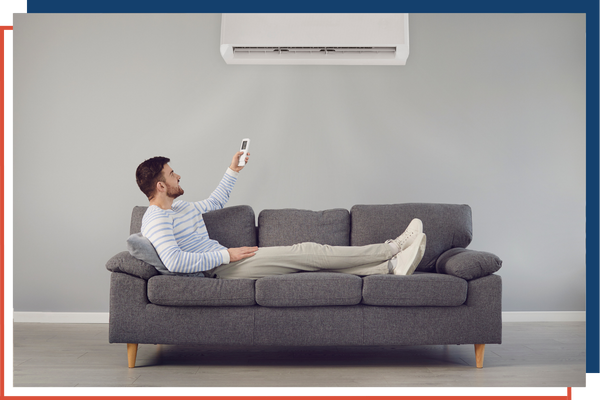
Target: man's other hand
(239, 253)
(236, 160)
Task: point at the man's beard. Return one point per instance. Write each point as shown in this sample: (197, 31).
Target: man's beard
(174, 191)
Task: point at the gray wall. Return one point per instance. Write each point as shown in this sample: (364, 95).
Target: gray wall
(489, 111)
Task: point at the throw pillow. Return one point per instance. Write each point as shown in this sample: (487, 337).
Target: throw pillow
(141, 248)
(467, 264)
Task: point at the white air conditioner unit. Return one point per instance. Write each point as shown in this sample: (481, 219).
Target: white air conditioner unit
(318, 39)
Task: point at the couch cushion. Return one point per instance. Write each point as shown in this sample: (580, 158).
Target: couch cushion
(231, 226)
(309, 289)
(419, 289)
(286, 227)
(468, 264)
(166, 290)
(137, 214)
(446, 226)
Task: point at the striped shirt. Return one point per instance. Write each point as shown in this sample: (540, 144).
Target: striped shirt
(180, 236)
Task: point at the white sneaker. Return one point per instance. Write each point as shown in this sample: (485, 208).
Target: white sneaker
(407, 260)
(408, 236)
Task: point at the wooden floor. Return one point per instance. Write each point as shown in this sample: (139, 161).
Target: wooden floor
(539, 354)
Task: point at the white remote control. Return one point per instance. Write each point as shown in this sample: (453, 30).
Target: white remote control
(244, 147)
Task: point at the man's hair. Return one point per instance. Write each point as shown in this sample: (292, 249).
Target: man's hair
(149, 173)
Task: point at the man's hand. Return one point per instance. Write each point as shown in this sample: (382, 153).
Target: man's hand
(236, 160)
(239, 253)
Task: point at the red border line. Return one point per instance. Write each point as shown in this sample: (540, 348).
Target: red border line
(4, 195)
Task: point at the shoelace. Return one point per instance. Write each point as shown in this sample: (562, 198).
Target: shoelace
(402, 240)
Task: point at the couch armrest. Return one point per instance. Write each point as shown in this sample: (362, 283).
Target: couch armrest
(467, 264)
(125, 262)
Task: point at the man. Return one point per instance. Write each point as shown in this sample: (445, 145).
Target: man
(177, 232)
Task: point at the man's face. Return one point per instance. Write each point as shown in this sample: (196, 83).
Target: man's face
(172, 182)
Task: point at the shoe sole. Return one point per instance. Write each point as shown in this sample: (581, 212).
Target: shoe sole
(419, 255)
(416, 258)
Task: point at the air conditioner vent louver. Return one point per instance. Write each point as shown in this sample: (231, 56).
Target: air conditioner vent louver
(316, 49)
(317, 39)
(289, 53)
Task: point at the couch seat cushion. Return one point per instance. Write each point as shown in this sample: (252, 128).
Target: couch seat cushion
(419, 289)
(167, 290)
(309, 289)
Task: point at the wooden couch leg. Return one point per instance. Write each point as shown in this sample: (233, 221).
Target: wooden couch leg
(479, 350)
(132, 353)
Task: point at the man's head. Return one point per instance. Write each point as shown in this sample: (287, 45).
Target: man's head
(155, 175)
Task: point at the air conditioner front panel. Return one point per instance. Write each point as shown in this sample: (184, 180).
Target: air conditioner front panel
(284, 38)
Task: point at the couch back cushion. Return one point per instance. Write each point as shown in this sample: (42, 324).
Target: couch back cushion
(136, 219)
(446, 226)
(286, 227)
(231, 226)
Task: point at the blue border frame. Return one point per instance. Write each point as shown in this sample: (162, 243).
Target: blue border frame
(195, 6)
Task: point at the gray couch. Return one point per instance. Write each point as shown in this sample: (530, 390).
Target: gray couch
(454, 297)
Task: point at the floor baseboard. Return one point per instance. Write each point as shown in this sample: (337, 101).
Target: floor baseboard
(102, 318)
(61, 317)
(543, 316)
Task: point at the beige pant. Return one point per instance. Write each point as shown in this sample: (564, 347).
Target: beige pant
(356, 260)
